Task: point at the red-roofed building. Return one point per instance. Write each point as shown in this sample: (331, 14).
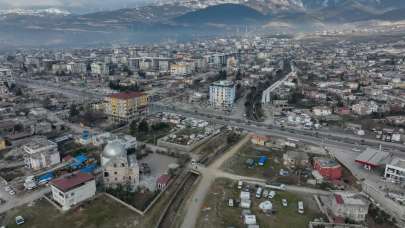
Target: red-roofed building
(328, 168)
(71, 189)
(124, 107)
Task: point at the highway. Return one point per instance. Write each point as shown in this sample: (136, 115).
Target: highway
(321, 138)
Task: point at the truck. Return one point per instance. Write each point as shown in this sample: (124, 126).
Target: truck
(44, 179)
(262, 160)
(30, 183)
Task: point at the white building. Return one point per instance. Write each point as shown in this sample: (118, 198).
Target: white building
(99, 68)
(395, 170)
(322, 111)
(41, 153)
(349, 205)
(222, 94)
(72, 189)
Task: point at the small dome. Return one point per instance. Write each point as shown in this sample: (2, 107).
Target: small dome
(114, 149)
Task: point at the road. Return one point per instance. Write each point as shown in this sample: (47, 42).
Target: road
(70, 92)
(324, 138)
(17, 201)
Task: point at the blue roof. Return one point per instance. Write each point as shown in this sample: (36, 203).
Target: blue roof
(89, 168)
(78, 160)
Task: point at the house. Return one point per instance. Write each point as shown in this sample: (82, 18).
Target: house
(395, 170)
(348, 205)
(259, 140)
(72, 189)
(328, 168)
(162, 181)
(295, 158)
(372, 158)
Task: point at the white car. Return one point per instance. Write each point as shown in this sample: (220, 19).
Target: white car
(265, 193)
(284, 202)
(11, 192)
(272, 194)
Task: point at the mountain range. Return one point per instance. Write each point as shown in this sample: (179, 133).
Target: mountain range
(184, 19)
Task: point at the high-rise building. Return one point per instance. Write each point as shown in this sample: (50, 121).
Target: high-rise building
(222, 94)
(124, 107)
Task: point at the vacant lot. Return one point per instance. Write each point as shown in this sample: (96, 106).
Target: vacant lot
(216, 213)
(101, 212)
(237, 164)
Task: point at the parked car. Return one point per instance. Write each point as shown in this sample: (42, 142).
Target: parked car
(240, 184)
(265, 193)
(230, 203)
(272, 194)
(259, 192)
(19, 220)
(300, 207)
(284, 202)
(11, 192)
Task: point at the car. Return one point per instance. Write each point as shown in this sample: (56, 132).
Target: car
(240, 184)
(11, 192)
(19, 220)
(259, 192)
(265, 193)
(230, 203)
(272, 194)
(284, 202)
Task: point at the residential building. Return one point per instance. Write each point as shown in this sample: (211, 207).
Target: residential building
(99, 68)
(395, 170)
(328, 168)
(322, 111)
(349, 205)
(119, 168)
(72, 189)
(124, 107)
(41, 153)
(295, 158)
(222, 94)
(259, 140)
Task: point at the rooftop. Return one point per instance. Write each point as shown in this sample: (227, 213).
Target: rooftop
(349, 198)
(68, 182)
(223, 83)
(326, 162)
(38, 143)
(372, 157)
(127, 95)
(398, 162)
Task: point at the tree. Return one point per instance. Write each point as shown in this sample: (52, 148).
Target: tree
(133, 127)
(143, 126)
(73, 111)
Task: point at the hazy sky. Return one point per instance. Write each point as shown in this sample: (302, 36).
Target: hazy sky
(75, 5)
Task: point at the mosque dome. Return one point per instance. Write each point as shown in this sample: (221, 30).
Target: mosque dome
(114, 149)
